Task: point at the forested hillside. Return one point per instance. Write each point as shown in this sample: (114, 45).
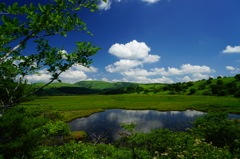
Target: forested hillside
(79, 88)
(221, 86)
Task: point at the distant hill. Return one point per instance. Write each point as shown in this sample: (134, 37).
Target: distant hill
(101, 85)
(227, 86)
(79, 88)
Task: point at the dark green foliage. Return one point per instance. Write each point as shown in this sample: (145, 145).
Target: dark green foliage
(217, 129)
(207, 93)
(202, 86)
(237, 94)
(146, 91)
(219, 82)
(54, 116)
(192, 91)
(8, 86)
(219, 77)
(210, 78)
(189, 84)
(166, 87)
(223, 93)
(208, 82)
(19, 133)
(185, 86)
(22, 131)
(214, 89)
(237, 77)
(172, 93)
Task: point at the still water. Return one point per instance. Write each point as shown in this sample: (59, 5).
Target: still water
(109, 121)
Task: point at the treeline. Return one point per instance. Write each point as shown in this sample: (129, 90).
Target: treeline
(66, 91)
(221, 86)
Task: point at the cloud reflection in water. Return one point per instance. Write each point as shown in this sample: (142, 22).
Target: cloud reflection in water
(110, 121)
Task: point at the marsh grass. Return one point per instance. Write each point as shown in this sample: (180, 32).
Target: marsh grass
(79, 106)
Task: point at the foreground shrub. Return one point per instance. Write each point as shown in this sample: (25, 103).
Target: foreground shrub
(19, 132)
(81, 151)
(237, 94)
(163, 143)
(23, 130)
(215, 128)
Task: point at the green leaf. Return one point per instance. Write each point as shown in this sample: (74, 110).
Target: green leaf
(15, 6)
(2, 6)
(32, 6)
(40, 7)
(4, 19)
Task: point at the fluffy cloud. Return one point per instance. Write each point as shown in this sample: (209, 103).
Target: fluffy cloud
(150, 1)
(233, 69)
(104, 6)
(230, 68)
(85, 69)
(105, 79)
(122, 65)
(143, 79)
(184, 69)
(137, 72)
(199, 76)
(74, 74)
(184, 79)
(133, 50)
(151, 59)
(44, 77)
(229, 49)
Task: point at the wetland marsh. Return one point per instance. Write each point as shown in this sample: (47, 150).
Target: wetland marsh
(73, 107)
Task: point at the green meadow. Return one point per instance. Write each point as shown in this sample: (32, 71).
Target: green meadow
(78, 106)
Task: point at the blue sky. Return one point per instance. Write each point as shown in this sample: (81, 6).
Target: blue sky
(156, 41)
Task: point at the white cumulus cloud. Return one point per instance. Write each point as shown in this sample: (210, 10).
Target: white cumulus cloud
(233, 69)
(85, 69)
(184, 79)
(199, 76)
(72, 75)
(137, 72)
(150, 1)
(184, 69)
(44, 77)
(143, 79)
(151, 59)
(104, 5)
(230, 49)
(131, 50)
(105, 79)
(230, 68)
(122, 65)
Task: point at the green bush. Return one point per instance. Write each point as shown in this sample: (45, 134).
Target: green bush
(223, 93)
(207, 93)
(237, 94)
(23, 130)
(215, 128)
(192, 91)
(19, 132)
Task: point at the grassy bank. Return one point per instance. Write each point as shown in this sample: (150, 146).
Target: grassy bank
(78, 106)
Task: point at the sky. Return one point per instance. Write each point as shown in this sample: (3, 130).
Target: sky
(155, 41)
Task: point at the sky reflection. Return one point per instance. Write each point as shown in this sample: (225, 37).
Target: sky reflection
(109, 121)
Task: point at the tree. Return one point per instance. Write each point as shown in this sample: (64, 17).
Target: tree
(189, 84)
(219, 82)
(41, 21)
(237, 77)
(192, 91)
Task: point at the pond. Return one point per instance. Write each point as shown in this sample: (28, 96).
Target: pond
(108, 123)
